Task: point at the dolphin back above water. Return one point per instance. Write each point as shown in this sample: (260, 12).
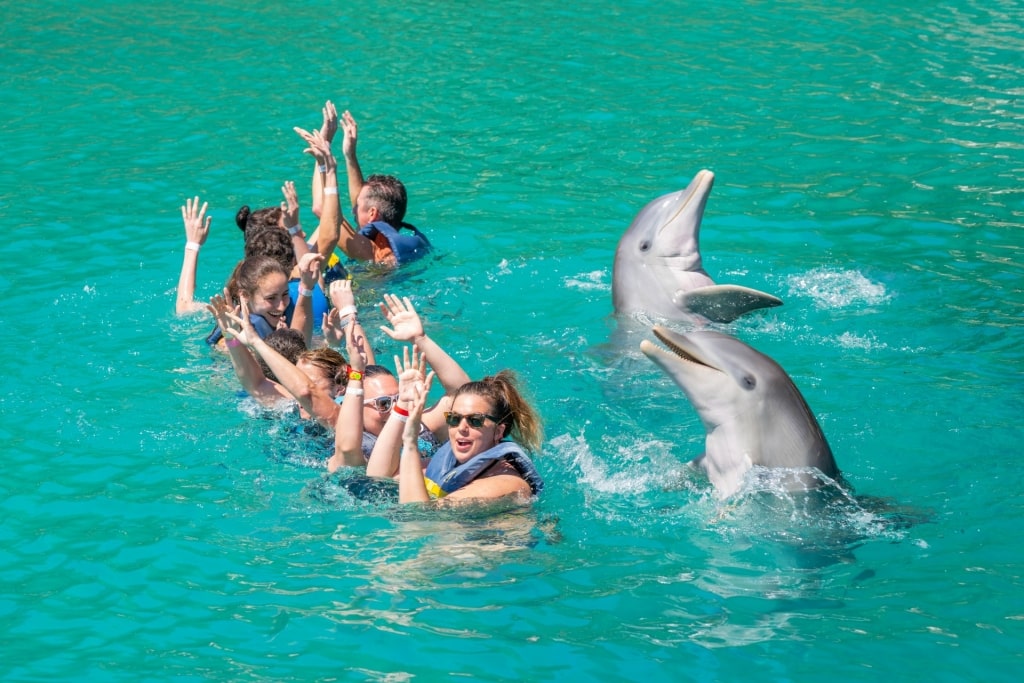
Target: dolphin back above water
(752, 412)
(658, 266)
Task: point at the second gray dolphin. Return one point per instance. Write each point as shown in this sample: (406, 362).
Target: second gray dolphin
(752, 412)
(658, 266)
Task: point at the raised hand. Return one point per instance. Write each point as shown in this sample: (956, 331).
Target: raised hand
(351, 130)
(405, 322)
(330, 124)
(332, 329)
(342, 296)
(220, 306)
(309, 269)
(319, 147)
(419, 391)
(355, 344)
(197, 223)
(290, 205)
(233, 321)
(410, 372)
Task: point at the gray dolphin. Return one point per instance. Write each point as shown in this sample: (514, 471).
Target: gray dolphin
(751, 410)
(658, 266)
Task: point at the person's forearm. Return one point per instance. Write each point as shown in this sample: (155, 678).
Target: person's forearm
(250, 374)
(185, 302)
(355, 177)
(348, 432)
(411, 487)
(302, 315)
(318, 189)
(301, 248)
(329, 230)
(388, 448)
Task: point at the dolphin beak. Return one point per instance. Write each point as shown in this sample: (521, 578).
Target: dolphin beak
(677, 348)
(697, 191)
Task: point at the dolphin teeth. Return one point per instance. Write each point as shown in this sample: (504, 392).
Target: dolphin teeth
(675, 349)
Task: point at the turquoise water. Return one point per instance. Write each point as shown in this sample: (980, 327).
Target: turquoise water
(870, 166)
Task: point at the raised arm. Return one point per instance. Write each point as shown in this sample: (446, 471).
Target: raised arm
(290, 214)
(327, 129)
(343, 314)
(355, 246)
(411, 487)
(411, 372)
(197, 228)
(407, 326)
(348, 150)
(328, 231)
(302, 318)
(348, 432)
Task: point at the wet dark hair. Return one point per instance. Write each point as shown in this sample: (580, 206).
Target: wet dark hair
(287, 342)
(374, 370)
(247, 220)
(248, 273)
(387, 194)
(273, 242)
(521, 421)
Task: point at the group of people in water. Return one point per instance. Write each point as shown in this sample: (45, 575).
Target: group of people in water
(473, 444)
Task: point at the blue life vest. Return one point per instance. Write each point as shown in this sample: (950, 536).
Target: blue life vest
(320, 304)
(444, 473)
(407, 245)
(259, 324)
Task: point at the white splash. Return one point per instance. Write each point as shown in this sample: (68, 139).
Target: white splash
(835, 289)
(594, 280)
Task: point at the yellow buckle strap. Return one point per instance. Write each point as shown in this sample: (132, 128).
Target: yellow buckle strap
(433, 489)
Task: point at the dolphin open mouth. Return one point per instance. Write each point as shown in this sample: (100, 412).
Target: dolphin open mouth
(677, 345)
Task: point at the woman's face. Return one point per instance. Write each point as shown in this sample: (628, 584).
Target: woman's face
(467, 440)
(374, 388)
(271, 299)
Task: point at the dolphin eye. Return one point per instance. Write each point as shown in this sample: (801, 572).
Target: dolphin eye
(749, 382)
(645, 245)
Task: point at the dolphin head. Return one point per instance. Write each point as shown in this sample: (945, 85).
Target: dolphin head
(659, 255)
(751, 410)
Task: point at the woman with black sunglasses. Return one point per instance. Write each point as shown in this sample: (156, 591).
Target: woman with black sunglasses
(490, 429)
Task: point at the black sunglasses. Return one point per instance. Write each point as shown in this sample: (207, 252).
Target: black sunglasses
(475, 420)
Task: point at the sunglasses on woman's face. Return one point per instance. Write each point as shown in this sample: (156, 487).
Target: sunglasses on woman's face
(475, 420)
(382, 404)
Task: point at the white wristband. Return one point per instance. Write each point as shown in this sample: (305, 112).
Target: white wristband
(305, 292)
(322, 168)
(400, 418)
(348, 310)
(193, 246)
(331, 190)
(295, 229)
(354, 392)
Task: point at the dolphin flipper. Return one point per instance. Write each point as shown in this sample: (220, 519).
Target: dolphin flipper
(724, 303)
